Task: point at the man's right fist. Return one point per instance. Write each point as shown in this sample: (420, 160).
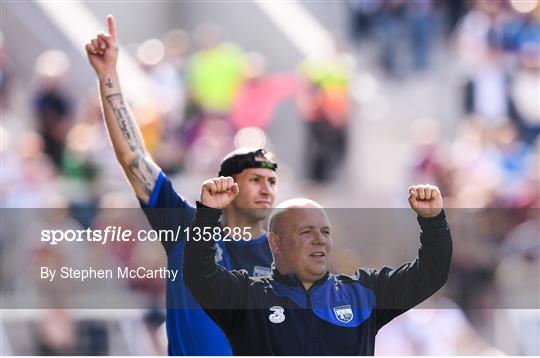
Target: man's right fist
(218, 193)
(102, 51)
(425, 200)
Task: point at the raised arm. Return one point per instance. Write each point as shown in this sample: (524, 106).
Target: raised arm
(123, 130)
(220, 293)
(400, 289)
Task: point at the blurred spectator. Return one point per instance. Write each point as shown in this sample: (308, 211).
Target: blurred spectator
(164, 62)
(29, 175)
(260, 94)
(454, 11)
(81, 172)
(326, 106)
(52, 104)
(430, 161)
(215, 72)
(486, 92)
(169, 76)
(214, 139)
(154, 320)
(391, 27)
(421, 24)
(406, 30)
(511, 158)
(362, 17)
(55, 334)
(525, 91)
(475, 32)
(58, 333)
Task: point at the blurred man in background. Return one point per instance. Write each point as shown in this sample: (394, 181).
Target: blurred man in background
(52, 104)
(325, 105)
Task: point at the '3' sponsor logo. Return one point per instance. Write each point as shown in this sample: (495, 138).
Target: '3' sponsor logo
(278, 315)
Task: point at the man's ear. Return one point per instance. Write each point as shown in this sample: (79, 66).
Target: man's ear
(273, 241)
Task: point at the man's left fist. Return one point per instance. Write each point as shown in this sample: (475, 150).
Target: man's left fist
(425, 200)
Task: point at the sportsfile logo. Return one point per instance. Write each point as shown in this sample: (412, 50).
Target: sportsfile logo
(119, 234)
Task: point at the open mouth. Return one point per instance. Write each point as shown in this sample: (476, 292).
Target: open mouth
(318, 254)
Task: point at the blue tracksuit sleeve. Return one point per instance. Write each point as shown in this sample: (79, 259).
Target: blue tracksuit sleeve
(221, 293)
(398, 290)
(167, 210)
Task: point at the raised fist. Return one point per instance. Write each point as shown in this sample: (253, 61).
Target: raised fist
(425, 200)
(102, 51)
(218, 193)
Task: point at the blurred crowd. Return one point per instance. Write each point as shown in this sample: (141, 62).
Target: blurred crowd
(210, 95)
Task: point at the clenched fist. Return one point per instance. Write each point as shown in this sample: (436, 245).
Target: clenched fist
(218, 193)
(102, 51)
(425, 200)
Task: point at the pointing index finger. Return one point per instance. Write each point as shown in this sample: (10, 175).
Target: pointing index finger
(112, 27)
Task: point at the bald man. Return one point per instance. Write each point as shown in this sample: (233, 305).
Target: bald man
(302, 309)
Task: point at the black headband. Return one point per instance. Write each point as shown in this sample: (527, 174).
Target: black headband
(236, 164)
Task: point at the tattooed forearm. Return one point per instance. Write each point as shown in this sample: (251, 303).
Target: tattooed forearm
(125, 122)
(127, 140)
(144, 172)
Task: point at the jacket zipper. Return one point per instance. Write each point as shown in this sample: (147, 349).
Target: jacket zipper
(310, 308)
(314, 342)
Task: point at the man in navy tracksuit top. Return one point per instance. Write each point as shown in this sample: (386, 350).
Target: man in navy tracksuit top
(302, 309)
(189, 329)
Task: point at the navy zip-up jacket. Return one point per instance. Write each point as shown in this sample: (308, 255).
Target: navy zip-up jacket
(338, 315)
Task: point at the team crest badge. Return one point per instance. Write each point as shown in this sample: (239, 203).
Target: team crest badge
(278, 315)
(343, 313)
(260, 271)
